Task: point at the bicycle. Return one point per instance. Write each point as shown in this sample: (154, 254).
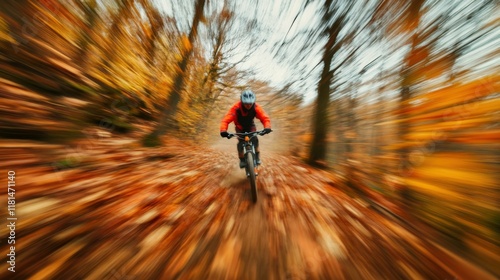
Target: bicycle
(251, 166)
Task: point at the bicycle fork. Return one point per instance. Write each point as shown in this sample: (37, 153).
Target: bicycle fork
(251, 149)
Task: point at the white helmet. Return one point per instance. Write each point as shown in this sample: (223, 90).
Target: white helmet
(247, 97)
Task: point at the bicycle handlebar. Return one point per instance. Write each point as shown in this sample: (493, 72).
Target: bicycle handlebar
(243, 134)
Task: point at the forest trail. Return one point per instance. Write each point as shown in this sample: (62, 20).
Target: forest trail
(120, 211)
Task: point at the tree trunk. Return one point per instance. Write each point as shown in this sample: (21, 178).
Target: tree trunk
(317, 155)
(319, 145)
(174, 96)
(405, 169)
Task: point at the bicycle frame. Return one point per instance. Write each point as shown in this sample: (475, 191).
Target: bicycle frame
(248, 147)
(251, 167)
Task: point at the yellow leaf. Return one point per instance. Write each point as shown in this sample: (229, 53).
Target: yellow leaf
(430, 188)
(461, 111)
(427, 131)
(185, 43)
(451, 176)
(454, 95)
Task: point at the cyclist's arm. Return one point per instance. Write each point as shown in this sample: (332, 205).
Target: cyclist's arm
(262, 116)
(228, 118)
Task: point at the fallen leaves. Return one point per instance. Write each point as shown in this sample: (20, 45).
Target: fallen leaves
(172, 208)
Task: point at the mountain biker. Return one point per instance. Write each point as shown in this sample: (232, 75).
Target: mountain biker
(242, 113)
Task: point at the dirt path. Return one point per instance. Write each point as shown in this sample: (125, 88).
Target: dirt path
(125, 212)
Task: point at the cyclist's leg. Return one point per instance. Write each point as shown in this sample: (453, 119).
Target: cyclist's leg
(241, 156)
(255, 141)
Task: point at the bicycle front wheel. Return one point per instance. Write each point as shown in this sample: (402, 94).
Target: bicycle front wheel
(251, 176)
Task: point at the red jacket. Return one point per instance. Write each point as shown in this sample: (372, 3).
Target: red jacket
(243, 119)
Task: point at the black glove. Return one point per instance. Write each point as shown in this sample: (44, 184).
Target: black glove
(266, 131)
(224, 134)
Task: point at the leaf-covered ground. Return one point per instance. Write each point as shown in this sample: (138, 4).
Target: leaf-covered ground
(109, 209)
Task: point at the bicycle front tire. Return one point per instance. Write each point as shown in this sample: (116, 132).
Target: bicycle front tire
(251, 176)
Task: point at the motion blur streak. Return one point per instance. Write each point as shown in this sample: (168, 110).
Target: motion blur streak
(383, 162)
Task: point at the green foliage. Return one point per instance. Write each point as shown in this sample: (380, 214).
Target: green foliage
(151, 140)
(66, 163)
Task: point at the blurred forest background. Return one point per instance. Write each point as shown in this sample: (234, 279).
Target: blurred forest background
(400, 99)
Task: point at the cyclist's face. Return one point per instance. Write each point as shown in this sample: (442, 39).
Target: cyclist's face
(248, 106)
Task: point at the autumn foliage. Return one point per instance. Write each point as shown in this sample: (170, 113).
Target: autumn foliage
(405, 118)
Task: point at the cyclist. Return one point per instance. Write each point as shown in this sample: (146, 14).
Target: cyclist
(242, 113)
